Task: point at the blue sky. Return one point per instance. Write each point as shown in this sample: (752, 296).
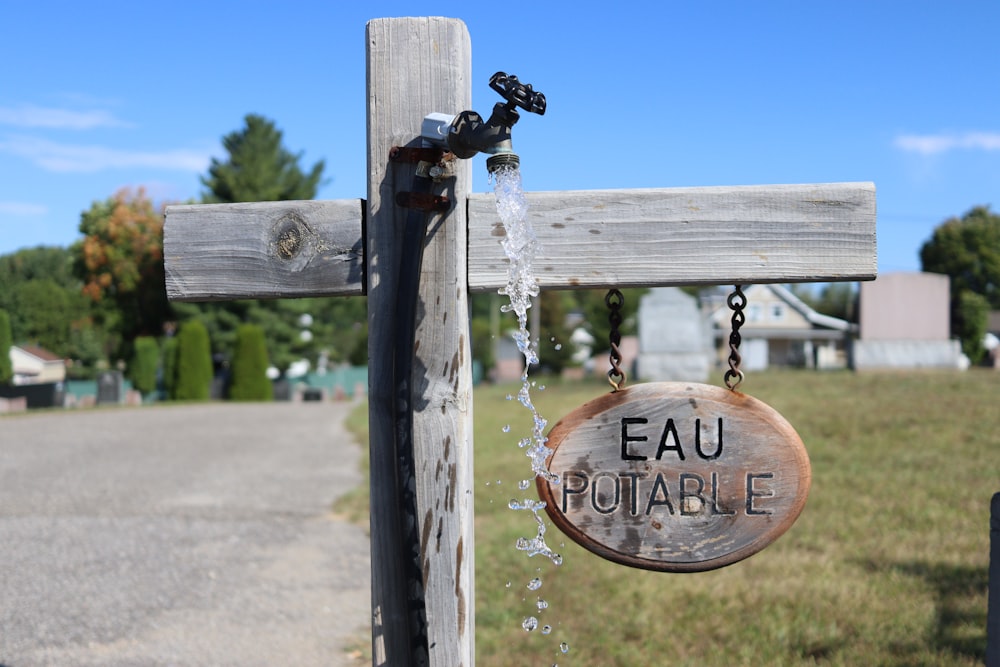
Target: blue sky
(100, 95)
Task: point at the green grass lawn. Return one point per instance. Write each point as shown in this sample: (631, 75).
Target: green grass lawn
(887, 565)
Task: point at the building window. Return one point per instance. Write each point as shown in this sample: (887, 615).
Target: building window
(754, 313)
(777, 311)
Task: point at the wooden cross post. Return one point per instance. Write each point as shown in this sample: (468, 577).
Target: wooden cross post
(681, 236)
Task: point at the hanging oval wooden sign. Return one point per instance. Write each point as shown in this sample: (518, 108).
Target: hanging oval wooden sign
(674, 476)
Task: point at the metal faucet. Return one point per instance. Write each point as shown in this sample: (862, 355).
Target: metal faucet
(467, 134)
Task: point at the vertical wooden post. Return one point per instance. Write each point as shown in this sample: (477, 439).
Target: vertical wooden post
(417, 66)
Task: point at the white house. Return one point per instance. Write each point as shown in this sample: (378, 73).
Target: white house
(781, 330)
(36, 365)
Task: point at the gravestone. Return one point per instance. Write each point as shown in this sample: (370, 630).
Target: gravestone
(110, 388)
(674, 342)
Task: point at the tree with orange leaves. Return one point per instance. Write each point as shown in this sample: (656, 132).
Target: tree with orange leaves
(120, 261)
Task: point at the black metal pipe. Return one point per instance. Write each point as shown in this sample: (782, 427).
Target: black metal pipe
(993, 613)
(407, 297)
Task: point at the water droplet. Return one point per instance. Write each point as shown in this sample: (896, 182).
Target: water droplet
(499, 482)
(542, 604)
(507, 585)
(530, 624)
(534, 584)
(541, 387)
(524, 484)
(558, 346)
(546, 629)
(564, 647)
(557, 559)
(506, 428)
(509, 397)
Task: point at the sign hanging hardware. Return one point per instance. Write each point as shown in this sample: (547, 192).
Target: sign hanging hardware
(675, 476)
(614, 301)
(736, 301)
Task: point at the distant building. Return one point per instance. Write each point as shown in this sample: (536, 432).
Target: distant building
(36, 365)
(905, 324)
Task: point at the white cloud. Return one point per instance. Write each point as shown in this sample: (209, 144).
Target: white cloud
(59, 157)
(932, 144)
(64, 119)
(20, 208)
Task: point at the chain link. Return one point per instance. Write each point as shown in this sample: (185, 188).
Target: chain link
(737, 301)
(615, 300)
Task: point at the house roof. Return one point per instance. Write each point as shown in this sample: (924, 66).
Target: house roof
(818, 320)
(39, 353)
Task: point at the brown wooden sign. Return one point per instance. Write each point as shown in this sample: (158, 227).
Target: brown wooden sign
(675, 476)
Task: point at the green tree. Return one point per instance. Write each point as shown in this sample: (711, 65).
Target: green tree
(967, 250)
(42, 316)
(45, 304)
(249, 367)
(194, 363)
(6, 368)
(259, 168)
(142, 367)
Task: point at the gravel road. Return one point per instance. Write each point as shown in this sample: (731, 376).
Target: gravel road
(180, 535)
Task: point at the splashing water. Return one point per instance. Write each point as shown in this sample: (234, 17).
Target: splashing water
(520, 244)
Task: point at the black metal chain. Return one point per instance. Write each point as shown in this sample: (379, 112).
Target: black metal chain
(737, 301)
(615, 300)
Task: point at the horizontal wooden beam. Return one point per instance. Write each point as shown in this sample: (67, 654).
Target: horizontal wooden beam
(264, 250)
(686, 236)
(587, 239)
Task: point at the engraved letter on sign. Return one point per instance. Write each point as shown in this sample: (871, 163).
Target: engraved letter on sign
(676, 477)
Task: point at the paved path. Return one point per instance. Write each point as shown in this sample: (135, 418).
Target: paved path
(180, 535)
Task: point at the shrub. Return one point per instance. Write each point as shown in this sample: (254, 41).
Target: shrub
(142, 367)
(6, 340)
(194, 363)
(170, 366)
(249, 369)
(969, 322)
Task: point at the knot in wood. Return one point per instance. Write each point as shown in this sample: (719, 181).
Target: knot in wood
(287, 237)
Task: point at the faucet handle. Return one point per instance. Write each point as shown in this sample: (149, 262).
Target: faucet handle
(517, 93)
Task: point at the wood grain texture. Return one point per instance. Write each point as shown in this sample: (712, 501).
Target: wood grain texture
(686, 236)
(263, 250)
(675, 477)
(417, 66)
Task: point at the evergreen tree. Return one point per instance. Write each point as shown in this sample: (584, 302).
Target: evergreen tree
(142, 367)
(170, 366)
(259, 168)
(194, 363)
(6, 368)
(249, 379)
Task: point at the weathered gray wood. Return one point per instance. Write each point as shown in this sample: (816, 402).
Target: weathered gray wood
(418, 66)
(589, 239)
(675, 476)
(263, 250)
(685, 236)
